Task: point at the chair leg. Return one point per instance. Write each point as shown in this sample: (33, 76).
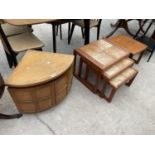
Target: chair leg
(57, 28)
(150, 56)
(98, 32)
(82, 30)
(60, 31)
(14, 59)
(69, 28)
(54, 38)
(9, 59)
(71, 33)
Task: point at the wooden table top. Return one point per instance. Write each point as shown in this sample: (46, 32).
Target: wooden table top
(19, 22)
(39, 67)
(102, 53)
(128, 43)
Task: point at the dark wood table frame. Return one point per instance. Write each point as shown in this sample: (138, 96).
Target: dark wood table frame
(123, 23)
(54, 24)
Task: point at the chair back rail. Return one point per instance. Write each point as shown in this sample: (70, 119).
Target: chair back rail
(147, 29)
(6, 44)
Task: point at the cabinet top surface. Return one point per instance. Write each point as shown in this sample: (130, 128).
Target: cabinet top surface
(38, 67)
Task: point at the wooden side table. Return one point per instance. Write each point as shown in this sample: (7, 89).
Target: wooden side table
(98, 56)
(40, 81)
(109, 63)
(131, 45)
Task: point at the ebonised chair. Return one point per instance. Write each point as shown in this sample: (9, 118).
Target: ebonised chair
(149, 41)
(59, 29)
(93, 23)
(5, 116)
(11, 30)
(15, 44)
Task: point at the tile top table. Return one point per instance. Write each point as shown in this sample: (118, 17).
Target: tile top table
(102, 53)
(108, 63)
(131, 45)
(128, 43)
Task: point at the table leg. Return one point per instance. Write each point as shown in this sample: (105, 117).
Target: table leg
(54, 38)
(98, 78)
(115, 25)
(75, 55)
(130, 82)
(121, 23)
(112, 93)
(86, 73)
(140, 56)
(80, 68)
(87, 30)
(4, 116)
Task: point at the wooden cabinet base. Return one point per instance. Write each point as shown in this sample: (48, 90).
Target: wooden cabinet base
(44, 96)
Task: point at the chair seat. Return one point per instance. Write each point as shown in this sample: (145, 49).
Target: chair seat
(24, 42)
(124, 77)
(93, 22)
(11, 30)
(148, 41)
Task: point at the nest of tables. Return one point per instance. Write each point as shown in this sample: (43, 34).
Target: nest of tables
(110, 64)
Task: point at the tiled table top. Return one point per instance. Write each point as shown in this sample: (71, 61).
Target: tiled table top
(128, 43)
(102, 53)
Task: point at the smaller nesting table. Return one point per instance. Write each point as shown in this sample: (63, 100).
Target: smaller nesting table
(40, 81)
(133, 46)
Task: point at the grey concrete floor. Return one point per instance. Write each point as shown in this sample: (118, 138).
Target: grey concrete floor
(132, 110)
